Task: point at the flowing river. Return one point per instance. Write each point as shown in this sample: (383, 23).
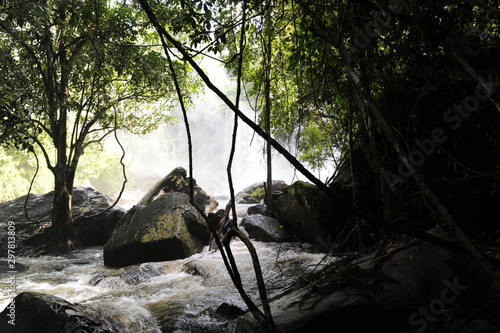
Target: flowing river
(170, 296)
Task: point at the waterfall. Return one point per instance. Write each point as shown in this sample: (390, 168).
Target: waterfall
(151, 157)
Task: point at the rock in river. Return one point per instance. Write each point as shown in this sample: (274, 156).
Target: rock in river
(31, 312)
(264, 228)
(168, 228)
(254, 193)
(95, 217)
(408, 286)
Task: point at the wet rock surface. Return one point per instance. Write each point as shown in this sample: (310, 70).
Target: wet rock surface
(6, 266)
(257, 209)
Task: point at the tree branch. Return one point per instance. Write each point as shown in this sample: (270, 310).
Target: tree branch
(184, 114)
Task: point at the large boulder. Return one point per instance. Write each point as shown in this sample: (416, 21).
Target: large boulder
(254, 193)
(38, 206)
(94, 219)
(177, 181)
(95, 216)
(264, 228)
(86, 201)
(41, 313)
(311, 214)
(168, 228)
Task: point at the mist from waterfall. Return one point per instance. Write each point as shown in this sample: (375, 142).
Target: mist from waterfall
(151, 157)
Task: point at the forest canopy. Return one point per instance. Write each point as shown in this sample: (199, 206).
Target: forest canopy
(401, 96)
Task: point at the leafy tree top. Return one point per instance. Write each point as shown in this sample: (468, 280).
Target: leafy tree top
(89, 63)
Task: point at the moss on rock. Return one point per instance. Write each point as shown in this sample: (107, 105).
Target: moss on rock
(168, 228)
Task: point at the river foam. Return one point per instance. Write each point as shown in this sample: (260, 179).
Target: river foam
(148, 297)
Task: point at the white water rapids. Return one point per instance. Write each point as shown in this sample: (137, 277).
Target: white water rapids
(161, 296)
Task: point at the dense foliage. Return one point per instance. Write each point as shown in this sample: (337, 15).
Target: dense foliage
(368, 84)
(402, 96)
(71, 72)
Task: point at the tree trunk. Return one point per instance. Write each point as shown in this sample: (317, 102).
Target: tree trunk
(267, 111)
(62, 236)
